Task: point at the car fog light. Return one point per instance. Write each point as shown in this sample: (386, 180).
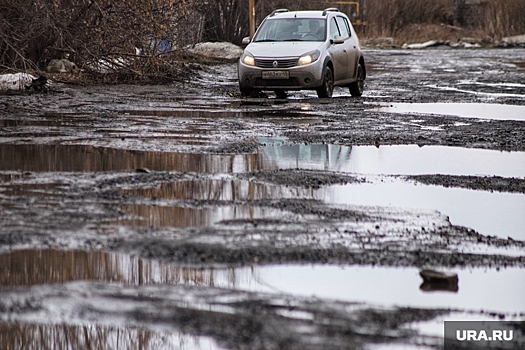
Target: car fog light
(307, 80)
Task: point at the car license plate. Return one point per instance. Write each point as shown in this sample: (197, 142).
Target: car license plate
(275, 74)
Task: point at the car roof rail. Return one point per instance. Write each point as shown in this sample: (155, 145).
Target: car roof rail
(278, 11)
(330, 9)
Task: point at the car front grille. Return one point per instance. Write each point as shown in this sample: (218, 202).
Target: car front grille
(266, 63)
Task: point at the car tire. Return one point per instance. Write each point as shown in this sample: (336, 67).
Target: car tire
(357, 87)
(326, 90)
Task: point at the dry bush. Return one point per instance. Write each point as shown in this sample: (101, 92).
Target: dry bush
(501, 18)
(488, 18)
(122, 34)
(388, 17)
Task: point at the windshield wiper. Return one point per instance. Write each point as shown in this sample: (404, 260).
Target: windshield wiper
(265, 41)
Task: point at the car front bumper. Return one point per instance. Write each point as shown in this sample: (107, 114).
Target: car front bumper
(300, 77)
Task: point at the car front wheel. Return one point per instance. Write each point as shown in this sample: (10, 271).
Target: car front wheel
(326, 90)
(357, 87)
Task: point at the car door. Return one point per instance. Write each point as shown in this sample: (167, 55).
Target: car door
(350, 47)
(337, 52)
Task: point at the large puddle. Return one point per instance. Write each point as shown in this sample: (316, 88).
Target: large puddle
(490, 290)
(466, 110)
(84, 158)
(386, 160)
(397, 160)
(477, 289)
(490, 213)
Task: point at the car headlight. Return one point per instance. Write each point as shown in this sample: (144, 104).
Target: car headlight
(308, 58)
(248, 59)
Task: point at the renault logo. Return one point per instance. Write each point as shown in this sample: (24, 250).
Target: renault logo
(275, 64)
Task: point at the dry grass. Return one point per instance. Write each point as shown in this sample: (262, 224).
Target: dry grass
(421, 20)
(390, 17)
(501, 18)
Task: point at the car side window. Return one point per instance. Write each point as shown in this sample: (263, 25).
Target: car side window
(334, 30)
(343, 26)
(349, 26)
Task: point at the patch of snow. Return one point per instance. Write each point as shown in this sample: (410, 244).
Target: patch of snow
(514, 40)
(422, 45)
(221, 50)
(15, 81)
(434, 43)
(470, 46)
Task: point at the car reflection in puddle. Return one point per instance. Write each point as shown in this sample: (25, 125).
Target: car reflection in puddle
(487, 212)
(395, 160)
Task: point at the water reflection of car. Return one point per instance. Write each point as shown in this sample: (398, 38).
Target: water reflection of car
(302, 50)
(312, 156)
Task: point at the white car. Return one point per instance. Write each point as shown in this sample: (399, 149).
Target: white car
(302, 50)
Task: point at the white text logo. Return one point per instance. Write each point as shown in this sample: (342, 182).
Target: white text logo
(495, 335)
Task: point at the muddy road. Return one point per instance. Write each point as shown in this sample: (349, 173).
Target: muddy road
(187, 217)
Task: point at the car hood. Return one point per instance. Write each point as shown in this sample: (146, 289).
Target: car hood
(282, 48)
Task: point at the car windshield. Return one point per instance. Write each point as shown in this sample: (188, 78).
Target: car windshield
(291, 29)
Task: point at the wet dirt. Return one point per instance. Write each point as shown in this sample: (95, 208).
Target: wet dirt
(187, 217)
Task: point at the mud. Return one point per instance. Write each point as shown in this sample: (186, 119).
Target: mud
(130, 214)
(495, 183)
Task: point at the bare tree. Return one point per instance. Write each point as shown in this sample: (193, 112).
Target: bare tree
(130, 34)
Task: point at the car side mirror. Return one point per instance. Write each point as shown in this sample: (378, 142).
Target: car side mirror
(246, 40)
(338, 40)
